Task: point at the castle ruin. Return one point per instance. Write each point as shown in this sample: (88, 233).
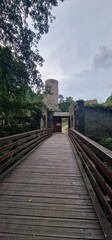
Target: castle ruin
(51, 100)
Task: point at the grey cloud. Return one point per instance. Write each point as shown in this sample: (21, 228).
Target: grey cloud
(103, 59)
(71, 46)
(87, 84)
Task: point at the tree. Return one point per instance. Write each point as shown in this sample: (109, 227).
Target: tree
(33, 97)
(13, 84)
(108, 101)
(65, 104)
(13, 75)
(61, 98)
(20, 107)
(16, 16)
(69, 99)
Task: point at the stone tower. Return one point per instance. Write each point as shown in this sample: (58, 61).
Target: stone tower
(51, 100)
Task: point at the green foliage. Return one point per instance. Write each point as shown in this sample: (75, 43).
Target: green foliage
(65, 104)
(69, 99)
(64, 122)
(61, 98)
(64, 125)
(108, 102)
(13, 84)
(15, 19)
(93, 102)
(106, 142)
(13, 75)
(20, 107)
(33, 97)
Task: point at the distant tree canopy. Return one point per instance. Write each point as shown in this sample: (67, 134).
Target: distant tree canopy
(108, 102)
(69, 99)
(61, 98)
(16, 17)
(64, 103)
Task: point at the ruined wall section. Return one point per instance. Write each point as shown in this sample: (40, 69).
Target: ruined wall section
(98, 121)
(93, 121)
(51, 100)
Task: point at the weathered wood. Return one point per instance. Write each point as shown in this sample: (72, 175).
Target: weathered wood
(45, 197)
(26, 237)
(56, 231)
(51, 222)
(106, 226)
(77, 200)
(99, 163)
(94, 160)
(99, 150)
(15, 147)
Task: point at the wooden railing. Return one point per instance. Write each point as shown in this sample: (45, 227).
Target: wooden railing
(97, 162)
(14, 148)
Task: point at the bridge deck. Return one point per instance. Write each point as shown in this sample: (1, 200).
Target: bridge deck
(45, 197)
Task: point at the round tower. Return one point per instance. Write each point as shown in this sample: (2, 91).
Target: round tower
(51, 100)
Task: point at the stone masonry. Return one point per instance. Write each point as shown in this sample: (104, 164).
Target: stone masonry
(51, 100)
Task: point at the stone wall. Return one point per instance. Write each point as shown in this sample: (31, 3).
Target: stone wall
(98, 121)
(79, 117)
(44, 117)
(92, 121)
(51, 100)
(72, 117)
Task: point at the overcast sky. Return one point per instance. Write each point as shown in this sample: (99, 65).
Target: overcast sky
(78, 49)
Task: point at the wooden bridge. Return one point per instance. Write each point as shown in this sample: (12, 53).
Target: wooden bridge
(45, 192)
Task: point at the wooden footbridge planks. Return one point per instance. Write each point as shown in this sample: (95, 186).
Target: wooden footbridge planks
(45, 197)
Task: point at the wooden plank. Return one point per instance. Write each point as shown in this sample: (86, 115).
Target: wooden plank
(32, 237)
(5, 236)
(45, 197)
(75, 213)
(52, 222)
(45, 180)
(82, 200)
(50, 188)
(47, 206)
(45, 194)
(53, 231)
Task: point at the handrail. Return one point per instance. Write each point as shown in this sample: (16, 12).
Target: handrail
(97, 162)
(14, 148)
